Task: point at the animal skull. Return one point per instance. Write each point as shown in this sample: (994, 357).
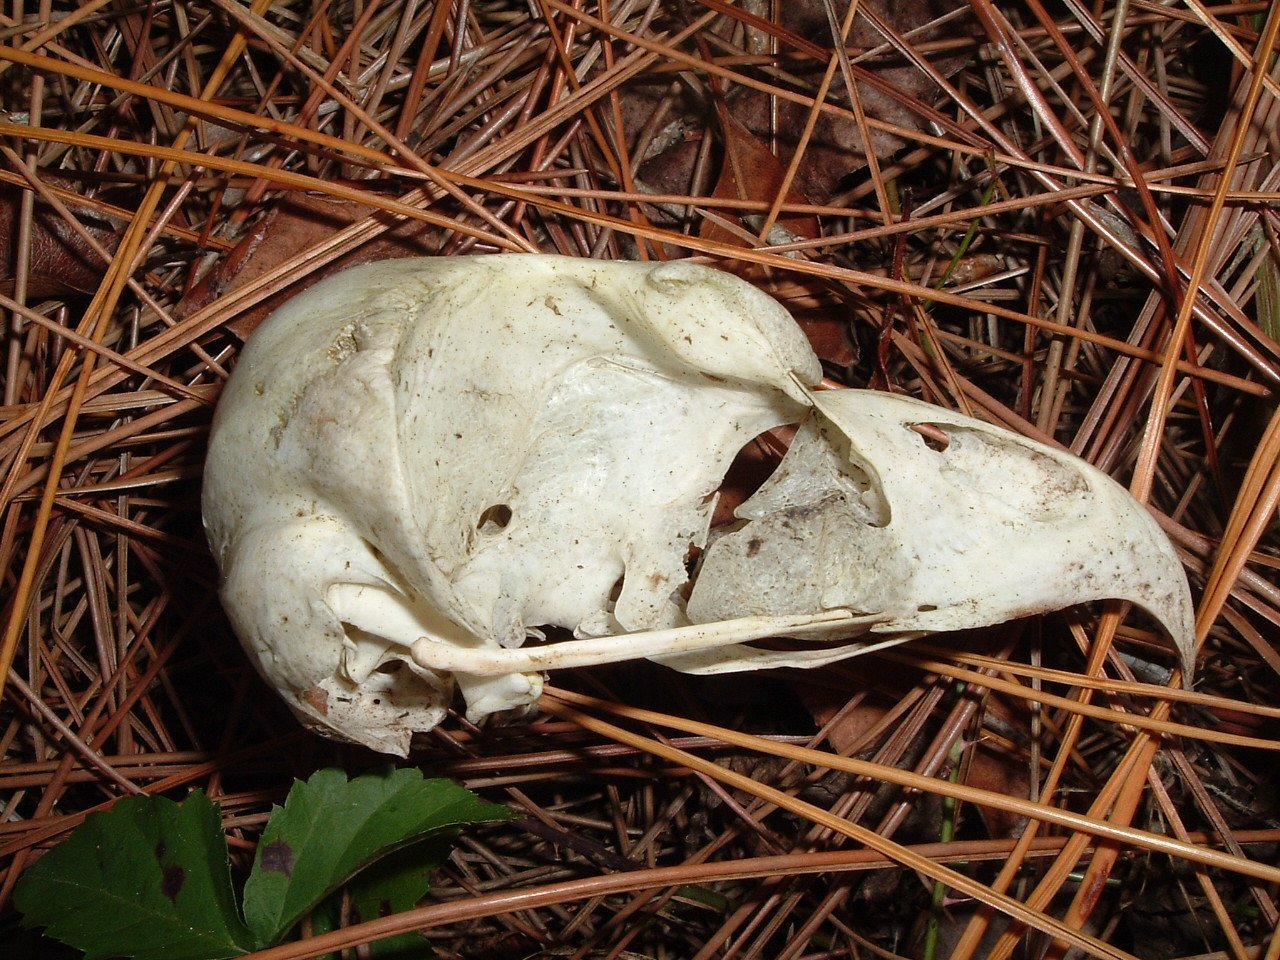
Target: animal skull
(418, 465)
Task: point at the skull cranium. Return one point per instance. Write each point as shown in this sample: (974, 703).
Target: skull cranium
(420, 465)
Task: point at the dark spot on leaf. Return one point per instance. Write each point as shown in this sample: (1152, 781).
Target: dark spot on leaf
(385, 909)
(277, 857)
(171, 881)
(161, 849)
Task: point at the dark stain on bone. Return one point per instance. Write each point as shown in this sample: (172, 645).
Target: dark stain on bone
(317, 698)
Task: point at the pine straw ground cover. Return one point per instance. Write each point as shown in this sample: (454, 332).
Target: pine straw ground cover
(1065, 223)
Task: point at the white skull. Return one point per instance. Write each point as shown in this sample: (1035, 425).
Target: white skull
(419, 465)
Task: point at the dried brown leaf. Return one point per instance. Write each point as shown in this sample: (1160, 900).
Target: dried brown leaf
(298, 222)
(749, 171)
(835, 149)
(61, 262)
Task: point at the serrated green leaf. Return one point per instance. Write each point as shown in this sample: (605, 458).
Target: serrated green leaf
(330, 828)
(148, 878)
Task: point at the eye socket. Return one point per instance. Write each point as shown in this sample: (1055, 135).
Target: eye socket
(934, 437)
(494, 518)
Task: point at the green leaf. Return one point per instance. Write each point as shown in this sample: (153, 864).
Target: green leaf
(393, 884)
(148, 878)
(397, 883)
(330, 828)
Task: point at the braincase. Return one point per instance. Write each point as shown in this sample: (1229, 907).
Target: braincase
(566, 423)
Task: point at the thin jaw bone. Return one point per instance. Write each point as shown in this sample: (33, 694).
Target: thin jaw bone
(489, 661)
